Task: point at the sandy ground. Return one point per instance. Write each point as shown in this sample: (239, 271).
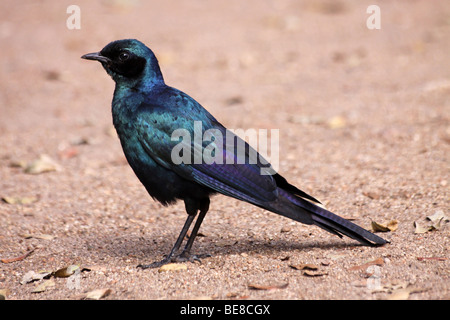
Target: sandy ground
(364, 126)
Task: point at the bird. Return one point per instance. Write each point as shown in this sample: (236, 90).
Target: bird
(146, 112)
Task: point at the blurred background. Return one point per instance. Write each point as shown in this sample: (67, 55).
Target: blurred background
(302, 66)
(293, 57)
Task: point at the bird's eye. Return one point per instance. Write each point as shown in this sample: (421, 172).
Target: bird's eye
(123, 56)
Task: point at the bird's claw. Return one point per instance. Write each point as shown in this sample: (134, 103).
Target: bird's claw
(183, 257)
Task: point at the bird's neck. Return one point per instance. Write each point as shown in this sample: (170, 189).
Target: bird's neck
(150, 78)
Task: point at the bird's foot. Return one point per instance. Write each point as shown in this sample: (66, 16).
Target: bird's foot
(187, 257)
(183, 257)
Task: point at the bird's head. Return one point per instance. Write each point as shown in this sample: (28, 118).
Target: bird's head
(129, 62)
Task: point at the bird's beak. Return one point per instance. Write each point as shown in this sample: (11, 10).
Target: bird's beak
(97, 56)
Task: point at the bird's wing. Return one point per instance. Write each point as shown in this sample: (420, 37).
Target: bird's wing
(241, 181)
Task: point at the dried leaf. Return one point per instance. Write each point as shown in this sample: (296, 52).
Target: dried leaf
(202, 298)
(372, 195)
(43, 236)
(43, 286)
(232, 294)
(37, 236)
(385, 227)
(3, 294)
(431, 258)
(325, 262)
(173, 267)
(97, 294)
(404, 293)
(392, 225)
(66, 271)
(376, 262)
(400, 294)
(268, 287)
(31, 276)
(438, 215)
(314, 273)
(19, 258)
(41, 165)
(310, 270)
(19, 200)
(421, 228)
(60, 273)
(18, 164)
(437, 221)
(337, 122)
(304, 266)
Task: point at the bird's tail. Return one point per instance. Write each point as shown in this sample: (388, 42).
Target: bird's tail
(304, 211)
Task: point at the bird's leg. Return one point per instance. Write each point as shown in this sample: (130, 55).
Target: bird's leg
(175, 248)
(192, 207)
(186, 255)
(187, 249)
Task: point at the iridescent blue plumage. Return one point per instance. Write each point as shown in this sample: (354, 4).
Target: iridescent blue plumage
(146, 112)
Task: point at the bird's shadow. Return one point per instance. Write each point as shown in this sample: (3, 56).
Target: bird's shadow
(148, 250)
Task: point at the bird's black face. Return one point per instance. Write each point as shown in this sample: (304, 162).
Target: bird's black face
(119, 58)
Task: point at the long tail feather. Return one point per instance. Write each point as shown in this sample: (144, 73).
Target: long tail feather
(306, 212)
